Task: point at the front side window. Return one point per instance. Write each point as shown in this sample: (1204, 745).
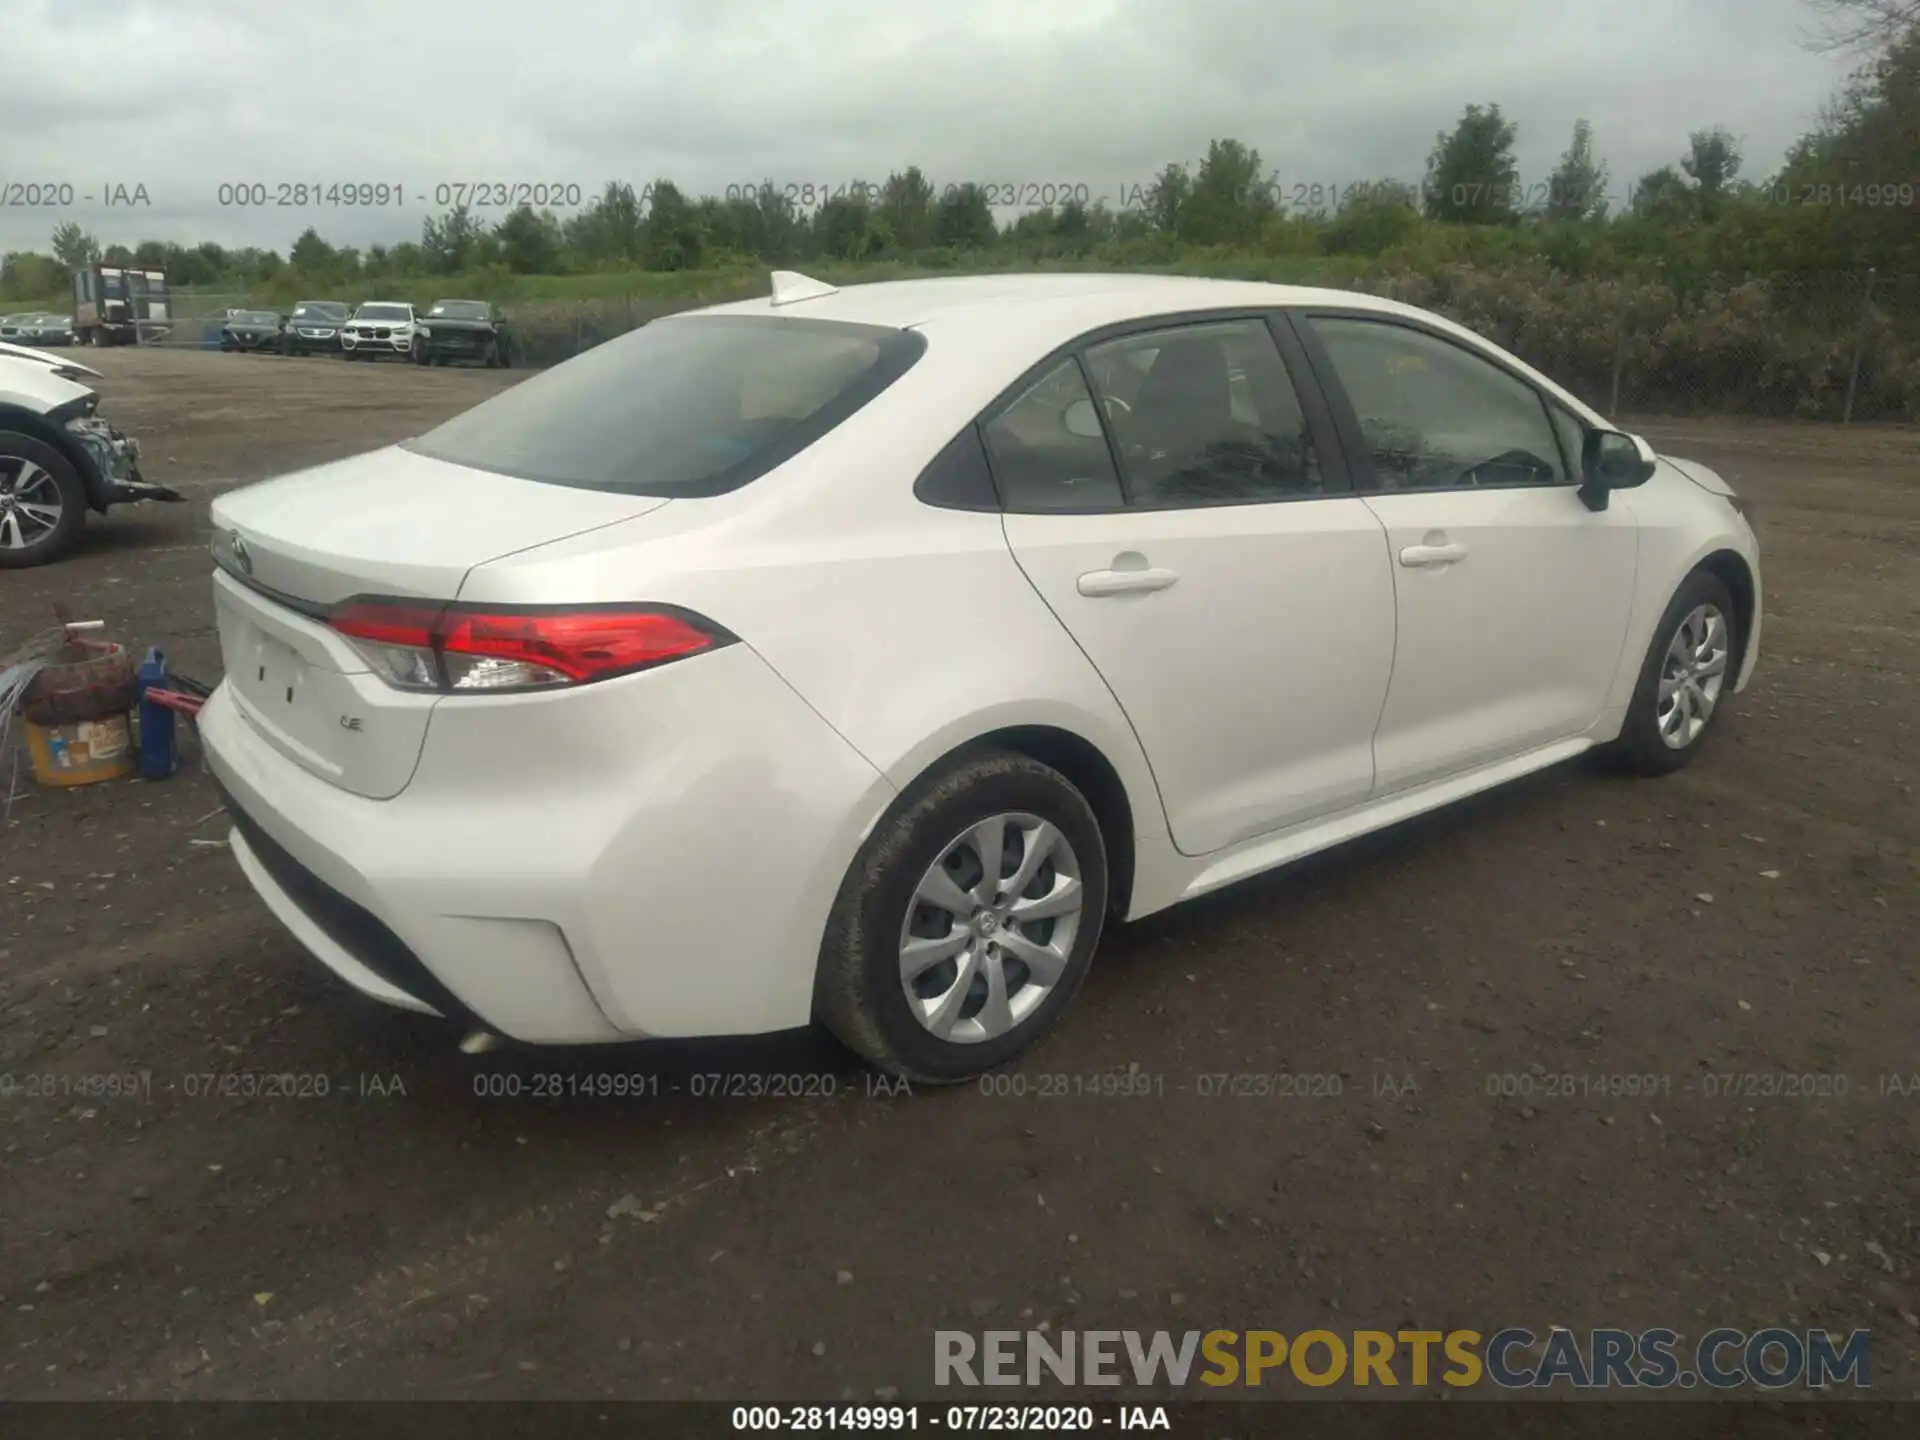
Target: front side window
(687, 406)
(1047, 449)
(1206, 415)
(1434, 416)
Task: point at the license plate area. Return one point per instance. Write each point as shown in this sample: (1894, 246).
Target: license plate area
(277, 678)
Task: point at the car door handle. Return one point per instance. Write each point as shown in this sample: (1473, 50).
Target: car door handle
(1417, 555)
(1096, 583)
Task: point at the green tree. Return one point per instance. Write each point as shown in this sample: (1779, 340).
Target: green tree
(1578, 189)
(907, 209)
(530, 242)
(1848, 187)
(26, 275)
(1471, 173)
(312, 255)
(1231, 201)
(964, 219)
(74, 247)
(1858, 24)
(1075, 228)
(449, 242)
(671, 239)
(1167, 198)
(845, 229)
(1712, 161)
(775, 231)
(1372, 218)
(608, 231)
(1663, 195)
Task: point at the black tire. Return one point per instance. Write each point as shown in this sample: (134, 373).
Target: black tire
(1640, 750)
(49, 545)
(858, 993)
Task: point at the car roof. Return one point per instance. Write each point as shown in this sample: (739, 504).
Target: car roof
(1078, 300)
(1001, 323)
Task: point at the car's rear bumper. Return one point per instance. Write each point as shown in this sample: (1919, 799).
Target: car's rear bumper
(658, 859)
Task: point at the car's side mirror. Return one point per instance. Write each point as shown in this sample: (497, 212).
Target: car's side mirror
(1611, 460)
(1082, 421)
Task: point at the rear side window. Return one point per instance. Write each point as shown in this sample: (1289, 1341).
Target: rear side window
(1048, 450)
(1206, 415)
(689, 406)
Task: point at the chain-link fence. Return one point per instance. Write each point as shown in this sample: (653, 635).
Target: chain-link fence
(1834, 346)
(1831, 346)
(196, 318)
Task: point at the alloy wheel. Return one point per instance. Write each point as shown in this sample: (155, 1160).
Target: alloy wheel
(1692, 675)
(30, 503)
(991, 927)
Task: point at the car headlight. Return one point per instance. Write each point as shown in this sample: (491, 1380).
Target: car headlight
(425, 333)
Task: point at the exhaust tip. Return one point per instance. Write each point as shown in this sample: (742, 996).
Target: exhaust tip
(478, 1042)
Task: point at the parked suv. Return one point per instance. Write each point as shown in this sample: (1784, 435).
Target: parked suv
(462, 330)
(380, 327)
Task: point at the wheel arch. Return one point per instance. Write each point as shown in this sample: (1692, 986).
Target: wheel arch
(26, 422)
(1730, 567)
(1118, 808)
(1090, 772)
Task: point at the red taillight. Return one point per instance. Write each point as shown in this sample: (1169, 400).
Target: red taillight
(387, 624)
(581, 645)
(475, 648)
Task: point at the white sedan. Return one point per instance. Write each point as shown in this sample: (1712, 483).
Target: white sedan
(859, 655)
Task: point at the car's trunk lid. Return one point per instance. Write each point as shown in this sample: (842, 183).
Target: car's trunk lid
(392, 523)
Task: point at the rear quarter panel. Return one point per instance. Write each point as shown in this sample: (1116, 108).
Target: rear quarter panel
(908, 628)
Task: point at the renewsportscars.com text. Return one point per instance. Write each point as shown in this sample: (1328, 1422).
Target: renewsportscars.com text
(1513, 1358)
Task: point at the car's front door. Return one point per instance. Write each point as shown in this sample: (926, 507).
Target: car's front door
(1222, 577)
(1513, 596)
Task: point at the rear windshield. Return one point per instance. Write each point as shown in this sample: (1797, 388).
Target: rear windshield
(688, 406)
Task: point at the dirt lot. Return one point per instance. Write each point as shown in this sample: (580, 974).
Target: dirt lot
(406, 1236)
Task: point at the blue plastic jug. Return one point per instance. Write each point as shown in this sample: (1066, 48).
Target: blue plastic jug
(156, 720)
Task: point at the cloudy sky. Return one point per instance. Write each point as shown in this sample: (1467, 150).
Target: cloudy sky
(182, 97)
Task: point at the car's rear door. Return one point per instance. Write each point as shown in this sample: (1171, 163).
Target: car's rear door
(1194, 531)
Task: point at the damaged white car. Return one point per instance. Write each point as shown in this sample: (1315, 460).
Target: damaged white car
(58, 458)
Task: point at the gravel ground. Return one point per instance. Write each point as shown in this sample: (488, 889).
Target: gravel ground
(409, 1234)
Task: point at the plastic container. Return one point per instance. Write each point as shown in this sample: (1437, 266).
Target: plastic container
(158, 753)
(82, 752)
